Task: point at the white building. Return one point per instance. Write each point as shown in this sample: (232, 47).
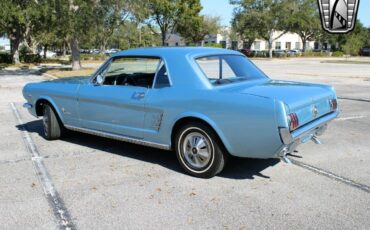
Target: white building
(4, 44)
(288, 41)
(174, 40)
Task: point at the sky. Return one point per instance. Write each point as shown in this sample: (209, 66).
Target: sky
(223, 9)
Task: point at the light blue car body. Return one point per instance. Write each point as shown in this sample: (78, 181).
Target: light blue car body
(247, 116)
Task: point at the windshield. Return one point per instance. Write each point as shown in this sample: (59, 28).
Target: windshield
(223, 69)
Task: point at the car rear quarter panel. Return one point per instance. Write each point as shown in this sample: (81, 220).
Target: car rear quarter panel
(246, 124)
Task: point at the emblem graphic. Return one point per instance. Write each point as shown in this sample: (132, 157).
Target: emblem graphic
(338, 16)
(315, 111)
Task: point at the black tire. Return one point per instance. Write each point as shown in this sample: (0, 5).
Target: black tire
(191, 156)
(53, 127)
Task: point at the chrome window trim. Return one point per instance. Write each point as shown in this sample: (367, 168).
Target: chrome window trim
(155, 76)
(195, 58)
(100, 69)
(109, 61)
(119, 137)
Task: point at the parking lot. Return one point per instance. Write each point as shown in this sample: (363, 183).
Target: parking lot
(97, 183)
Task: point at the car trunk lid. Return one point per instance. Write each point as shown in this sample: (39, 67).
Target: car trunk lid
(308, 101)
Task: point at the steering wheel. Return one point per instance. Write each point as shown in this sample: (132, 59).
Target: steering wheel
(129, 80)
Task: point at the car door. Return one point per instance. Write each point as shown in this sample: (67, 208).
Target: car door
(157, 100)
(114, 102)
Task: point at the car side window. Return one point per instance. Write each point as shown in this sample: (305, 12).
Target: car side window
(131, 71)
(162, 79)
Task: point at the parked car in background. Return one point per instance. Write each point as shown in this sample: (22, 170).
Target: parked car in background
(111, 51)
(247, 52)
(279, 53)
(204, 103)
(365, 51)
(49, 54)
(294, 52)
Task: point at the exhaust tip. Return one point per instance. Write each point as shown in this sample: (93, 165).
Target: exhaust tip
(316, 140)
(283, 155)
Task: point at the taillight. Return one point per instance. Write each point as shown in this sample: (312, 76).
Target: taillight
(293, 121)
(333, 104)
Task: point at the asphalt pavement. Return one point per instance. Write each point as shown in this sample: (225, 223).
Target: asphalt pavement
(88, 182)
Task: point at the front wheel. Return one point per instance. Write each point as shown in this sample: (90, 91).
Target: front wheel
(53, 127)
(199, 150)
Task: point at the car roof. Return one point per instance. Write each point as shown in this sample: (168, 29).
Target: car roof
(171, 51)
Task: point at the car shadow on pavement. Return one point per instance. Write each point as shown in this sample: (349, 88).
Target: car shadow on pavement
(237, 168)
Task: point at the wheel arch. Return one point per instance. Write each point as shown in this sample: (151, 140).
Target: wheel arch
(186, 119)
(46, 100)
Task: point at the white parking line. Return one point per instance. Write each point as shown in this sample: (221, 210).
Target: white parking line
(331, 175)
(60, 211)
(350, 118)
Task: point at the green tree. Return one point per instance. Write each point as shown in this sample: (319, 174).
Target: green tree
(168, 14)
(357, 39)
(270, 19)
(245, 28)
(306, 20)
(132, 34)
(109, 15)
(201, 26)
(16, 17)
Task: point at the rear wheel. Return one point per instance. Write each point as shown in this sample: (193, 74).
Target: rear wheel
(199, 150)
(53, 127)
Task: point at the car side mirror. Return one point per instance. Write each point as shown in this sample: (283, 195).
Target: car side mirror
(99, 80)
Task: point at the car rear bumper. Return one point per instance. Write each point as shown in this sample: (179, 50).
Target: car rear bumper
(305, 133)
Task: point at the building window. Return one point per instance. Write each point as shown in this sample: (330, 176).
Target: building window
(316, 46)
(297, 45)
(288, 45)
(257, 45)
(278, 45)
(266, 45)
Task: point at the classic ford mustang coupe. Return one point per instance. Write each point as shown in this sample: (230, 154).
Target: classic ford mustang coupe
(204, 103)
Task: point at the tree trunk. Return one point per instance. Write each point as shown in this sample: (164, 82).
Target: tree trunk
(270, 48)
(45, 50)
(76, 63)
(64, 49)
(14, 49)
(304, 41)
(163, 37)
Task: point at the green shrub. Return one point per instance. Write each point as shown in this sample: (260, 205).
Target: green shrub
(5, 58)
(30, 58)
(310, 53)
(92, 57)
(215, 45)
(337, 54)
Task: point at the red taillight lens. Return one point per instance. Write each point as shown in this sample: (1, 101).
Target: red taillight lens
(294, 122)
(333, 104)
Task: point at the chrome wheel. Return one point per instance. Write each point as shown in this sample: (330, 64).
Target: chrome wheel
(197, 150)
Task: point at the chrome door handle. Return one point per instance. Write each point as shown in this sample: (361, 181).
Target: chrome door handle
(138, 95)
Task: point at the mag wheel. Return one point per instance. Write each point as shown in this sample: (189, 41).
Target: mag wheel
(199, 150)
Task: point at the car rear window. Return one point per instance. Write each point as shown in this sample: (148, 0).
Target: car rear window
(223, 69)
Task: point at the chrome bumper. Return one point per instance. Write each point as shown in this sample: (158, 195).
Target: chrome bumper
(27, 105)
(304, 134)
